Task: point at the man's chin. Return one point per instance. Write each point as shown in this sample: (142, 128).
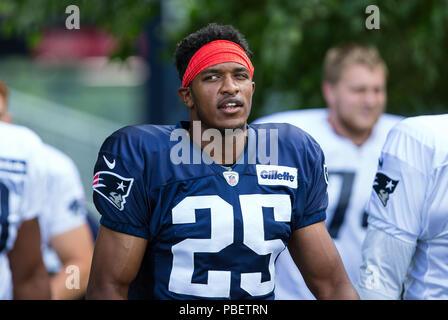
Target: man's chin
(232, 126)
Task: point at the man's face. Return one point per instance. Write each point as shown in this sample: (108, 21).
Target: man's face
(221, 96)
(358, 99)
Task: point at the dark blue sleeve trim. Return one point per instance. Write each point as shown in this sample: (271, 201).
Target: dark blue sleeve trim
(311, 219)
(125, 228)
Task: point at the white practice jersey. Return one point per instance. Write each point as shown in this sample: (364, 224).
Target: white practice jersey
(22, 190)
(65, 206)
(351, 172)
(409, 202)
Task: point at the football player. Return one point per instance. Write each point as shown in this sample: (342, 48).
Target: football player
(351, 131)
(66, 235)
(21, 201)
(66, 238)
(407, 238)
(183, 220)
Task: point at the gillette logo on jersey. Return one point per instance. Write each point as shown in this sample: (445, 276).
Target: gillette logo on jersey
(277, 175)
(112, 187)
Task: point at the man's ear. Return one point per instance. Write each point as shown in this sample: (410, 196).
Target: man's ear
(328, 93)
(186, 96)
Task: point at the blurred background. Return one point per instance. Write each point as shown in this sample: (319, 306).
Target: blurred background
(74, 87)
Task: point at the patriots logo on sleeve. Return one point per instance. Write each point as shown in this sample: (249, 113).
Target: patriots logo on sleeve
(384, 186)
(113, 187)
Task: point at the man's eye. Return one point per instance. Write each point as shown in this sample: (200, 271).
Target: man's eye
(211, 77)
(358, 90)
(242, 76)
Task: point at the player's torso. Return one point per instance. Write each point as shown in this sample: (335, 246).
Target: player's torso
(217, 240)
(350, 180)
(428, 275)
(216, 232)
(351, 170)
(14, 161)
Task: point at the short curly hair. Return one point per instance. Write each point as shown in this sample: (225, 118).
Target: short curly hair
(187, 47)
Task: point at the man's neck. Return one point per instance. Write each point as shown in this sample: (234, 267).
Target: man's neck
(357, 137)
(224, 146)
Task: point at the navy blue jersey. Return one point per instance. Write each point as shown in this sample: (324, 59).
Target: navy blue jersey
(213, 232)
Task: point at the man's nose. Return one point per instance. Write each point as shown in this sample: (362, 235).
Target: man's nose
(229, 85)
(371, 98)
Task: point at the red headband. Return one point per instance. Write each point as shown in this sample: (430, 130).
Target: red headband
(212, 53)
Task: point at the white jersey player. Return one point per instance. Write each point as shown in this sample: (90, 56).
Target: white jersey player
(22, 195)
(66, 236)
(65, 208)
(351, 170)
(65, 233)
(407, 238)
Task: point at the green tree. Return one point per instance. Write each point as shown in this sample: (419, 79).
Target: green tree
(289, 39)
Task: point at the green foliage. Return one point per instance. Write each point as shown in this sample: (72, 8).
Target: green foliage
(289, 39)
(125, 19)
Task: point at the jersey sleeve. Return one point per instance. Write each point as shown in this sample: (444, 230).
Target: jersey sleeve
(36, 180)
(120, 194)
(68, 210)
(315, 198)
(399, 189)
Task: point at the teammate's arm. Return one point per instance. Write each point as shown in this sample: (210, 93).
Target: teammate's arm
(315, 254)
(29, 275)
(116, 260)
(74, 248)
(380, 276)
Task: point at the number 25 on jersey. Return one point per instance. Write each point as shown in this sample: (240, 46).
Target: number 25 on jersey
(222, 235)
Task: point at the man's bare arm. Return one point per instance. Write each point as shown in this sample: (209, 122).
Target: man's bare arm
(29, 275)
(74, 248)
(314, 252)
(116, 260)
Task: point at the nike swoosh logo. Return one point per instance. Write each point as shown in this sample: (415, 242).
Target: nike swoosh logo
(111, 165)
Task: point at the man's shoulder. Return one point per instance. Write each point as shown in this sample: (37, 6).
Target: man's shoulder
(292, 140)
(387, 121)
(60, 167)
(430, 131)
(143, 131)
(298, 118)
(18, 133)
(22, 142)
(145, 137)
(287, 132)
(424, 123)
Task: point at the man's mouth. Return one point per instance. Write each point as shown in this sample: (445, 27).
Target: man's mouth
(230, 106)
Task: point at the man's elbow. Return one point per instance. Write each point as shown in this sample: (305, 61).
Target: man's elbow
(101, 289)
(336, 290)
(33, 286)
